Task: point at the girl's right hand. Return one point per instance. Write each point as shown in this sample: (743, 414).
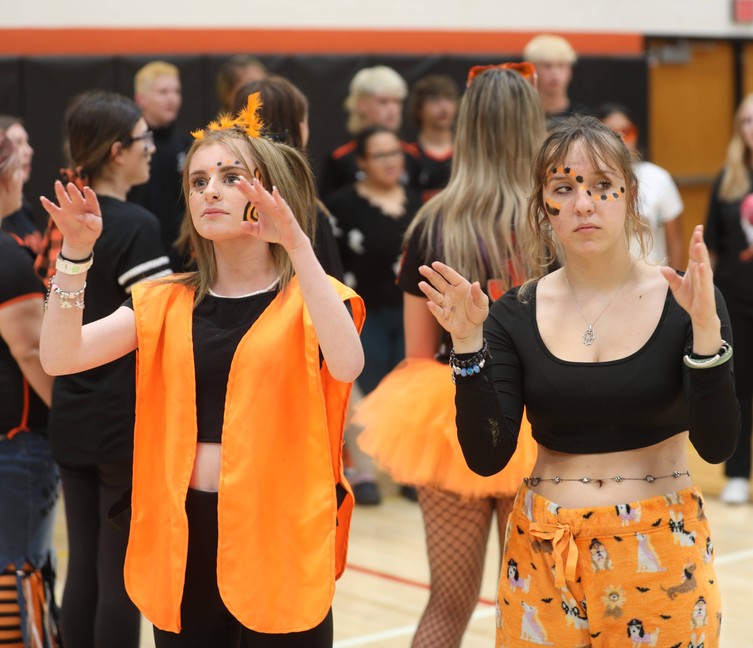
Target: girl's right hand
(459, 306)
(77, 216)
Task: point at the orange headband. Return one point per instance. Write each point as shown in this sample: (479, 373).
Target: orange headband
(525, 69)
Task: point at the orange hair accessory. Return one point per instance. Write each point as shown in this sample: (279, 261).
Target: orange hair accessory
(247, 120)
(78, 177)
(525, 69)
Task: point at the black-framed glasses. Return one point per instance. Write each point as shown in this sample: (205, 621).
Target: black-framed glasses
(147, 138)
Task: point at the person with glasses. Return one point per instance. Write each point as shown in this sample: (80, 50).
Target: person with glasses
(157, 91)
(92, 415)
(371, 217)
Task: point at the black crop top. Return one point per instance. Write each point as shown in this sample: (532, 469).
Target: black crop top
(584, 408)
(218, 325)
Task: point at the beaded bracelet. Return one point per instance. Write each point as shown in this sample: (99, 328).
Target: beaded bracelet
(724, 354)
(66, 298)
(471, 366)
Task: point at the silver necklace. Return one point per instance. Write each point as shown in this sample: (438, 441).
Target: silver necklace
(589, 335)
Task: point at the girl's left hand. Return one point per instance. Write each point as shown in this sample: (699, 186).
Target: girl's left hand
(276, 223)
(695, 290)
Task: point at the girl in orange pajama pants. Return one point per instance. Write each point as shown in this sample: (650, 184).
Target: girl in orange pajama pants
(664, 572)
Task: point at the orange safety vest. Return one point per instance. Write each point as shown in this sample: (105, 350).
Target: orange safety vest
(284, 504)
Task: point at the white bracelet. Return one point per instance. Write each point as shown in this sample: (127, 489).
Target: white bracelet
(725, 353)
(66, 266)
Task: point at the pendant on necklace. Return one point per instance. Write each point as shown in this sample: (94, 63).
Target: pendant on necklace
(589, 336)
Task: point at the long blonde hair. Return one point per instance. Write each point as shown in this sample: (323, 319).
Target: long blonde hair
(736, 175)
(279, 165)
(605, 150)
(477, 223)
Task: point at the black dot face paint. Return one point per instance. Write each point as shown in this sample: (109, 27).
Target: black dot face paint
(579, 179)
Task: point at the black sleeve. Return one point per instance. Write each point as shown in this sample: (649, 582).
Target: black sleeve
(19, 278)
(489, 405)
(142, 255)
(713, 409)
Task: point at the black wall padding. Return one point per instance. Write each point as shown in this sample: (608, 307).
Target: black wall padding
(39, 88)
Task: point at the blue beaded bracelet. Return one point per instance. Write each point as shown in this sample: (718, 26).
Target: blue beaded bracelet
(471, 366)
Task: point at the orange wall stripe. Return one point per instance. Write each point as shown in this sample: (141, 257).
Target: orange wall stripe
(30, 42)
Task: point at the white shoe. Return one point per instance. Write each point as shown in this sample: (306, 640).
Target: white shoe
(736, 491)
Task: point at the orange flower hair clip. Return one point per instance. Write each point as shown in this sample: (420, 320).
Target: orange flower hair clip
(247, 120)
(525, 69)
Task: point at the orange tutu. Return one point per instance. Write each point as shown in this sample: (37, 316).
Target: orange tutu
(409, 430)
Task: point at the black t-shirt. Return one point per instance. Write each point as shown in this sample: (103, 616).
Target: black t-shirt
(370, 245)
(596, 407)
(724, 235)
(341, 170)
(325, 245)
(92, 415)
(162, 193)
(219, 324)
(431, 173)
(17, 281)
(21, 223)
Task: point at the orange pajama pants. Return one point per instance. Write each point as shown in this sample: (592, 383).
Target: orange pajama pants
(631, 575)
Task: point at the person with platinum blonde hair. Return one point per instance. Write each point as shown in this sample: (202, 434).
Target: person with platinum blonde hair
(375, 98)
(554, 58)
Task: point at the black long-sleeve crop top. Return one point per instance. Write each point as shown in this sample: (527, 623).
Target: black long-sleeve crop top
(592, 407)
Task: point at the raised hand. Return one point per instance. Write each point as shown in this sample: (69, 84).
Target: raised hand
(277, 223)
(459, 306)
(694, 291)
(76, 214)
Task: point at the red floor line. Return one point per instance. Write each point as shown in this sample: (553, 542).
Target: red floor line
(401, 579)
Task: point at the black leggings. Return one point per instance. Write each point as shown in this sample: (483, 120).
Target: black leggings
(741, 319)
(96, 611)
(205, 621)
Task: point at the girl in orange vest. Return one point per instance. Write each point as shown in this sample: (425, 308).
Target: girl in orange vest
(242, 363)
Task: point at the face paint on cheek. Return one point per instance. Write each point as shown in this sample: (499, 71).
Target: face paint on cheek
(612, 196)
(249, 213)
(552, 208)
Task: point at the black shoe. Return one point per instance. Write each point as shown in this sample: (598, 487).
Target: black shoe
(367, 494)
(409, 493)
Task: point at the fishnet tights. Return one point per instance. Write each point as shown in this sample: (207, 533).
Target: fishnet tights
(457, 532)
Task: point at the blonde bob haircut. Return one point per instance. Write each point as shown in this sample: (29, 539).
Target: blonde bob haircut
(151, 71)
(735, 182)
(549, 48)
(279, 165)
(379, 80)
(478, 222)
(605, 150)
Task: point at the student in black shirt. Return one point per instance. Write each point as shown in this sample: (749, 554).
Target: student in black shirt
(617, 362)
(92, 415)
(29, 480)
(729, 236)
